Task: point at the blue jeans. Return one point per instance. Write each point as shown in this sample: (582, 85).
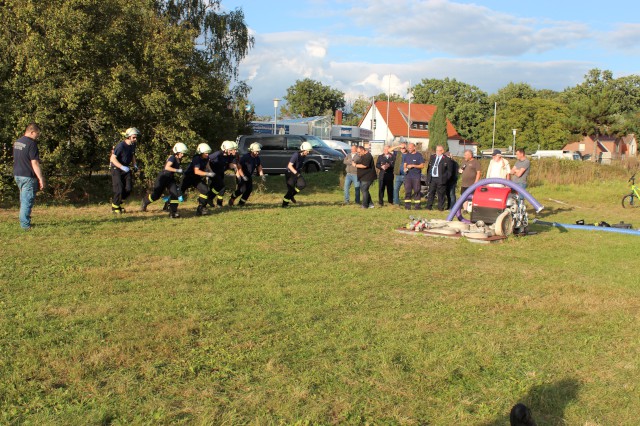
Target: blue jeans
(348, 180)
(396, 188)
(28, 187)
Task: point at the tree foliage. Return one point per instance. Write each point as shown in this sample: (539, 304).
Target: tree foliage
(310, 98)
(438, 128)
(85, 70)
(467, 106)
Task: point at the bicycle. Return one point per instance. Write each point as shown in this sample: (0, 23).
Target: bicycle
(632, 200)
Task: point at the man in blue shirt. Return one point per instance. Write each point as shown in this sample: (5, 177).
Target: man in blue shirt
(27, 172)
(413, 165)
(248, 165)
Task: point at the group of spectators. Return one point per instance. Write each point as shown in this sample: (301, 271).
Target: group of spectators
(405, 166)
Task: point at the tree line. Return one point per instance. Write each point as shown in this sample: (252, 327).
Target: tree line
(85, 70)
(544, 119)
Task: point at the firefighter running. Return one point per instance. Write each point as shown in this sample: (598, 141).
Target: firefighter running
(166, 180)
(195, 177)
(248, 165)
(295, 181)
(219, 162)
(123, 159)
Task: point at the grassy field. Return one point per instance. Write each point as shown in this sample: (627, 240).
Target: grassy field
(317, 314)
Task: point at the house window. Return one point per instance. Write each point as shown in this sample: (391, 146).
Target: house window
(581, 147)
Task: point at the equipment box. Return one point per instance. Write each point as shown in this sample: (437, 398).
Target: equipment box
(488, 203)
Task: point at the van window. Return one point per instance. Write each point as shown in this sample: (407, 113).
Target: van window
(270, 143)
(294, 142)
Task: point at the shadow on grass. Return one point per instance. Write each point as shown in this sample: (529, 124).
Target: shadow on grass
(547, 403)
(550, 211)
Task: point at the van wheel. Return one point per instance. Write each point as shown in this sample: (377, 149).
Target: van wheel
(311, 168)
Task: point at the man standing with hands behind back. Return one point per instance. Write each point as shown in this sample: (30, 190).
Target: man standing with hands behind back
(352, 175)
(27, 172)
(438, 173)
(385, 165)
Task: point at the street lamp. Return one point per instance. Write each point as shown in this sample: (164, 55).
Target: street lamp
(275, 114)
(514, 140)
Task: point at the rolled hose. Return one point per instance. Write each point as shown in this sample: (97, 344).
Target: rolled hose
(455, 210)
(588, 227)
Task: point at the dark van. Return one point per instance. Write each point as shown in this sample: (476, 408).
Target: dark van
(278, 149)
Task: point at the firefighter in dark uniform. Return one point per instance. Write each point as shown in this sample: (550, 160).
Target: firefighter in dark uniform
(166, 180)
(295, 181)
(123, 159)
(195, 177)
(219, 162)
(249, 164)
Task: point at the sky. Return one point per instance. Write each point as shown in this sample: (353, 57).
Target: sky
(367, 47)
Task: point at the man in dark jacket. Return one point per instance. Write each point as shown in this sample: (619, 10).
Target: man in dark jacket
(385, 165)
(438, 174)
(452, 183)
(366, 175)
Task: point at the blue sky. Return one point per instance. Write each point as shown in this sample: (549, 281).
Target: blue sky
(363, 47)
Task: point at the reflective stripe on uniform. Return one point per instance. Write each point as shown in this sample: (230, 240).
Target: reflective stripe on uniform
(115, 206)
(285, 200)
(203, 196)
(175, 202)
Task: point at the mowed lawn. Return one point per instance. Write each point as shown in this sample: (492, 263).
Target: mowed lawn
(317, 314)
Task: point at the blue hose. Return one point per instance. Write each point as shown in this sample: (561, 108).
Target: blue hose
(588, 227)
(455, 210)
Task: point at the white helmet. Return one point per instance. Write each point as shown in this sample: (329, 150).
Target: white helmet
(255, 147)
(305, 146)
(180, 148)
(228, 145)
(203, 148)
(131, 131)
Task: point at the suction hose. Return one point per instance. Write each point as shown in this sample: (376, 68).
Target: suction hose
(455, 211)
(588, 227)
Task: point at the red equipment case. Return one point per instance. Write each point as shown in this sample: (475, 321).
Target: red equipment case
(488, 203)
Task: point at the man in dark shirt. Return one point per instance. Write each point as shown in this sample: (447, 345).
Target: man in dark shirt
(123, 159)
(195, 177)
(413, 165)
(366, 175)
(452, 183)
(219, 162)
(248, 165)
(385, 165)
(293, 178)
(471, 172)
(166, 180)
(27, 172)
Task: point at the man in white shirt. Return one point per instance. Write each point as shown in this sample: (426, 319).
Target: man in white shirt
(498, 167)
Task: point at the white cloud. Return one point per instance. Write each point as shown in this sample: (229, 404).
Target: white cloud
(462, 29)
(625, 37)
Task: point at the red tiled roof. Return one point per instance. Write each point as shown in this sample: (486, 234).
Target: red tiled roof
(399, 111)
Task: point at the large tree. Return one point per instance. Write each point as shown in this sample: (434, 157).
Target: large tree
(438, 128)
(467, 106)
(309, 98)
(87, 69)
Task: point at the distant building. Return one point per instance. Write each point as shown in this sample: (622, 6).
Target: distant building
(319, 126)
(603, 149)
(408, 127)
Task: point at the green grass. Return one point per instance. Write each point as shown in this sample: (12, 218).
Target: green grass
(318, 314)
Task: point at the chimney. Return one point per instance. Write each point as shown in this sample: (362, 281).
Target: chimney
(338, 119)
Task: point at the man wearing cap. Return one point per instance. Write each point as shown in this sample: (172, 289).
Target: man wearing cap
(123, 159)
(498, 167)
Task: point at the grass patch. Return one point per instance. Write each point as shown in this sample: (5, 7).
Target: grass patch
(317, 314)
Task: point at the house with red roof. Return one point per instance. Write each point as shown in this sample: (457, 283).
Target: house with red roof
(603, 149)
(395, 122)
